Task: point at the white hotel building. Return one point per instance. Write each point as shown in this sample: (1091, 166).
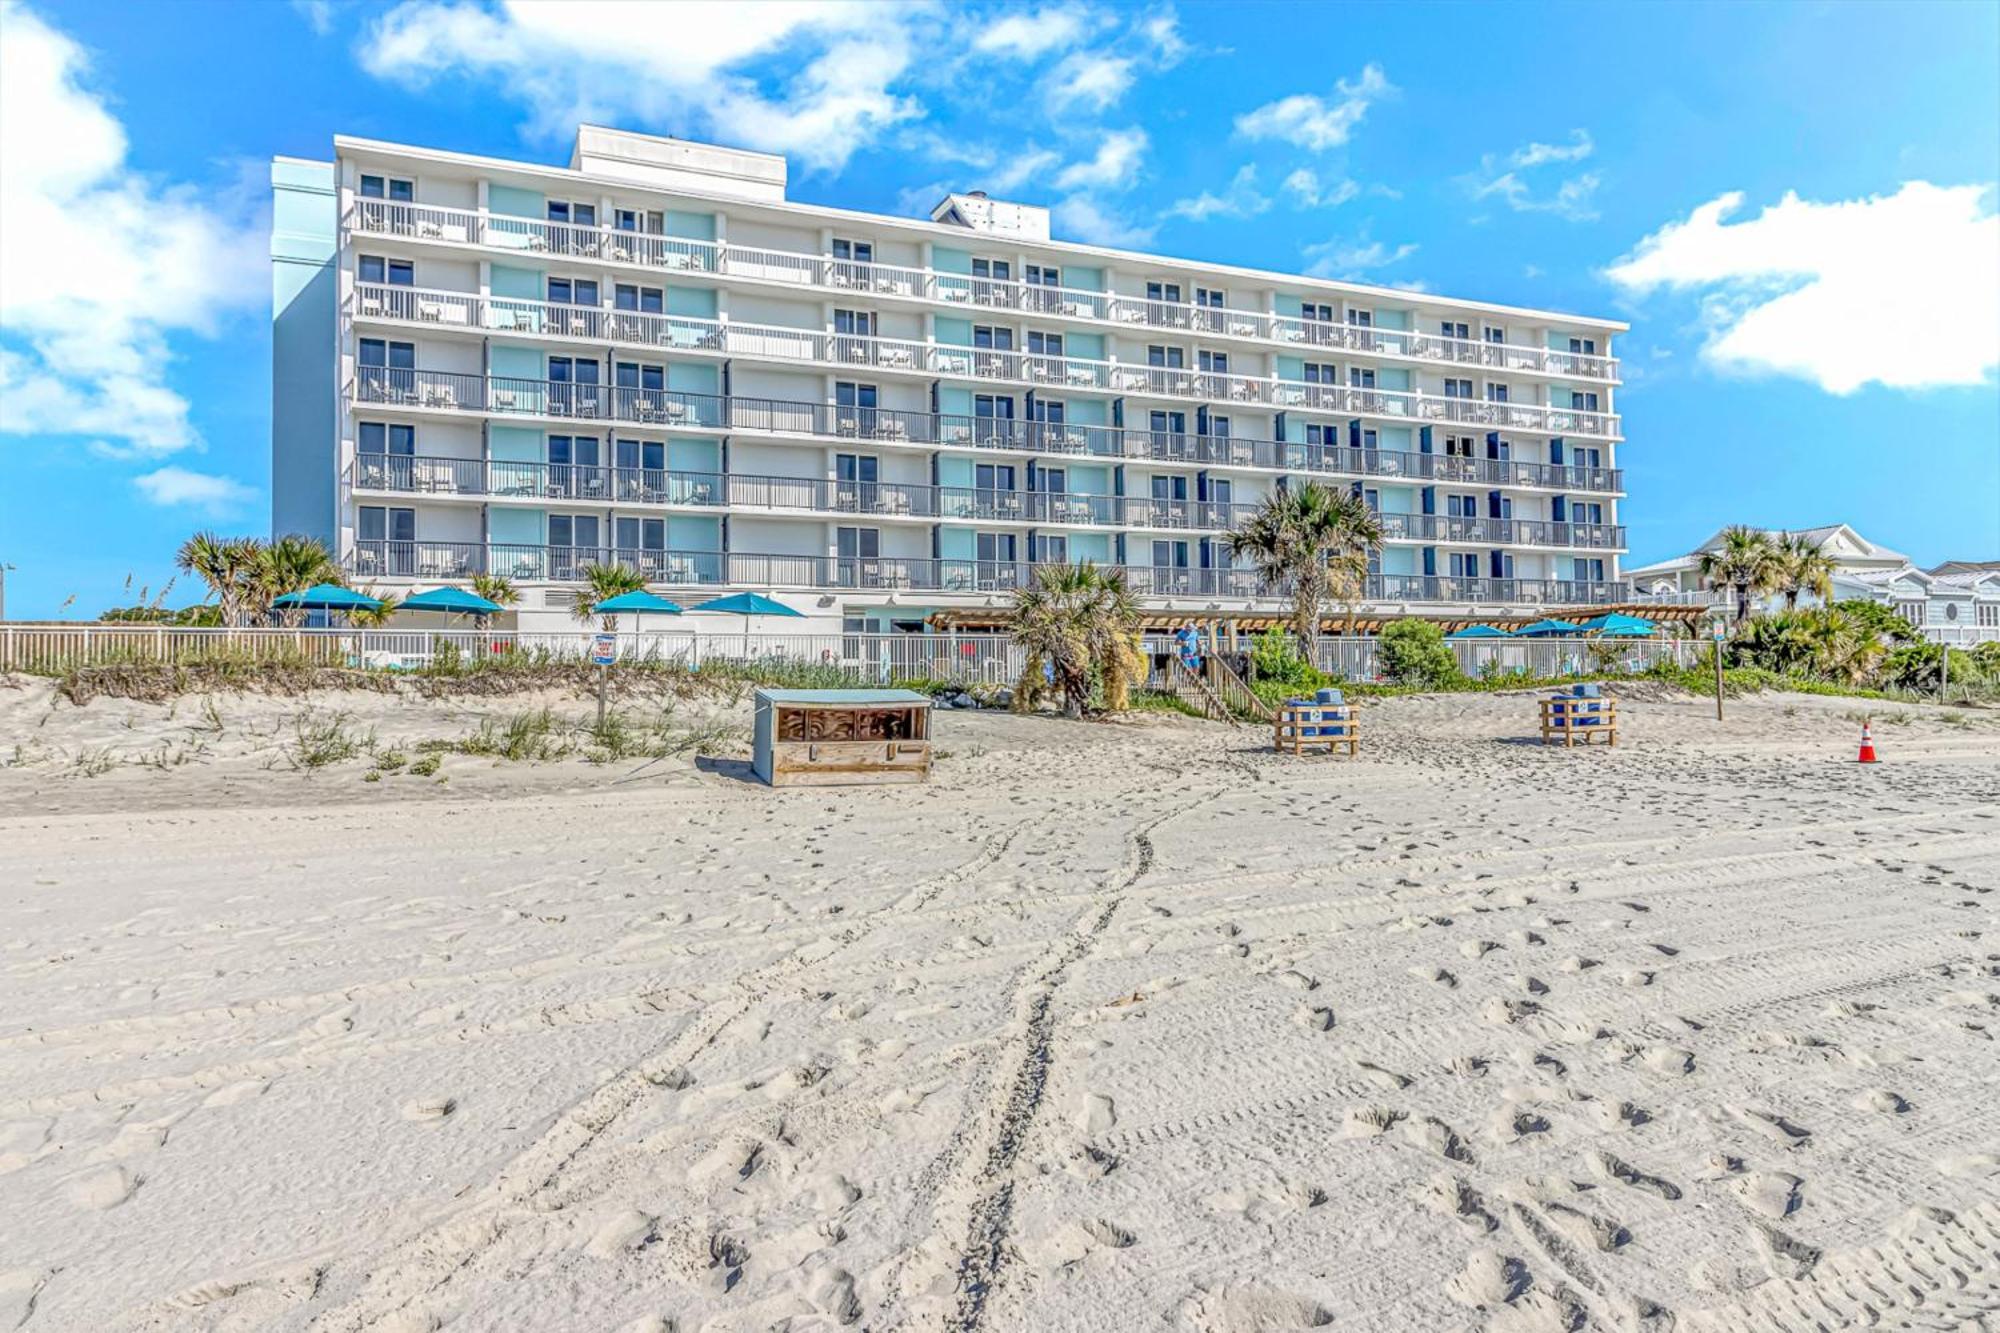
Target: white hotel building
(653, 357)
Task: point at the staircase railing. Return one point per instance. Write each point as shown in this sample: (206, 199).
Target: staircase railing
(1234, 694)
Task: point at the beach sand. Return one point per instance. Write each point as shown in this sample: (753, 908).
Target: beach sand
(1111, 1026)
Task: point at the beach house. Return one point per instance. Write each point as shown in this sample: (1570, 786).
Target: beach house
(651, 355)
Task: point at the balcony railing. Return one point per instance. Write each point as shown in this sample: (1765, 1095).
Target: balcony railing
(535, 563)
(675, 254)
(846, 351)
(671, 408)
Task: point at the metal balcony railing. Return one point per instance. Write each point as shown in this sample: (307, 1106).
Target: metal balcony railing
(535, 563)
(670, 408)
(425, 222)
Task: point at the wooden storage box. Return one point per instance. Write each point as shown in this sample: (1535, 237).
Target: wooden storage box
(828, 738)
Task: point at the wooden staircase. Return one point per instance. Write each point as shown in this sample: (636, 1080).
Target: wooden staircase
(1216, 690)
(1234, 694)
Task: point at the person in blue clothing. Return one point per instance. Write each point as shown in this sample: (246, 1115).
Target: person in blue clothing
(1188, 639)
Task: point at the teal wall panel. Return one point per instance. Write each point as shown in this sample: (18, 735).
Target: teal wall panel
(694, 302)
(508, 525)
(516, 203)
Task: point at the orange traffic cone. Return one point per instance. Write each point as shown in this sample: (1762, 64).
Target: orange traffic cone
(1867, 746)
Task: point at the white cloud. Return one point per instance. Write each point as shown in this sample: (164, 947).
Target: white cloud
(683, 64)
(1032, 35)
(99, 265)
(1313, 122)
(176, 487)
(1578, 148)
(1573, 198)
(1351, 259)
(1308, 191)
(1241, 200)
(318, 14)
(1088, 78)
(1901, 290)
(1114, 166)
(1082, 218)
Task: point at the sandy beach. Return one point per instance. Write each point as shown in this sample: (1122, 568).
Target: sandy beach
(1130, 1025)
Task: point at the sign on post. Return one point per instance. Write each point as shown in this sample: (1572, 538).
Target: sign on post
(604, 650)
(1717, 633)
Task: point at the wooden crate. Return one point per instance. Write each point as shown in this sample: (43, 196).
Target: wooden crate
(1301, 725)
(824, 738)
(1571, 719)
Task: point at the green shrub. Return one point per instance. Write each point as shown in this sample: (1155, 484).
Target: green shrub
(1273, 658)
(1413, 652)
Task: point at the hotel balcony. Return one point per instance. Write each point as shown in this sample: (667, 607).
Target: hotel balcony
(450, 393)
(571, 483)
(597, 325)
(719, 569)
(712, 260)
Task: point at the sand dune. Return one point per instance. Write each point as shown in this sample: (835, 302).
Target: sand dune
(1116, 1026)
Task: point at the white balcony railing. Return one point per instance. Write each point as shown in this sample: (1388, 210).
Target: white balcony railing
(458, 226)
(598, 324)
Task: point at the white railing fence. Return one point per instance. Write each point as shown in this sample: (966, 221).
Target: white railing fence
(1355, 659)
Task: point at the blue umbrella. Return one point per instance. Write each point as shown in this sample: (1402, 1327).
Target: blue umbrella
(1614, 625)
(1480, 632)
(748, 604)
(635, 602)
(457, 601)
(1548, 629)
(327, 597)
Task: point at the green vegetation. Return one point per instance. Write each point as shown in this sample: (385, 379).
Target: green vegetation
(1316, 540)
(1083, 622)
(539, 736)
(322, 739)
(1413, 652)
(245, 575)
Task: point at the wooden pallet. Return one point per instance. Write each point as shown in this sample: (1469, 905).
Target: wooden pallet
(1562, 719)
(1298, 726)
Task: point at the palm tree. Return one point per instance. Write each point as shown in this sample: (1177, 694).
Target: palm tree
(226, 565)
(1745, 562)
(1076, 617)
(289, 564)
(496, 588)
(600, 584)
(1318, 540)
(374, 617)
(1799, 566)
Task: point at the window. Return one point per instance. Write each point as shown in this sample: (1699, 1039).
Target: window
(1986, 614)
(388, 187)
(992, 478)
(1168, 358)
(859, 252)
(1911, 611)
(379, 438)
(1464, 564)
(1461, 506)
(997, 269)
(856, 408)
(639, 220)
(859, 323)
(1050, 411)
(1496, 393)
(1164, 291)
(851, 260)
(1582, 402)
(1586, 511)
(1583, 346)
(1209, 298)
(1317, 373)
(1453, 329)
(993, 407)
(857, 544)
(639, 536)
(395, 272)
(1495, 335)
(573, 291)
(856, 477)
(994, 548)
(1369, 439)
(1458, 388)
(1170, 555)
(577, 533)
(1458, 446)
(1500, 565)
(1587, 456)
(1214, 363)
(1361, 319)
(582, 215)
(573, 386)
(1045, 344)
(1041, 276)
(1360, 377)
(1051, 548)
(642, 391)
(1587, 569)
(991, 281)
(1169, 492)
(387, 371)
(640, 455)
(645, 300)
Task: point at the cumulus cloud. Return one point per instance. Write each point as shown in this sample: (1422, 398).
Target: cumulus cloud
(100, 265)
(1315, 122)
(1901, 290)
(177, 488)
(1114, 165)
(1033, 35)
(1512, 179)
(685, 64)
(1090, 79)
(1241, 200)
(1307, 190)
(1353, 259)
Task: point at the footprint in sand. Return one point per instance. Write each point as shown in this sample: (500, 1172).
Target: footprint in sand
(1489, 1279)
(1314, 1018)
(104, 1189)
(1880, 1099)
(430, 1109)
(1096, 1114)
(1252, 1308)
(1775, 1194)
(1771, 1125)
(1455, 1198)
(626, 1229)
(1610, 1167)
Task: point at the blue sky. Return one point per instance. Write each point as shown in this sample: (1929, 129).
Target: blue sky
(1792, 204)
